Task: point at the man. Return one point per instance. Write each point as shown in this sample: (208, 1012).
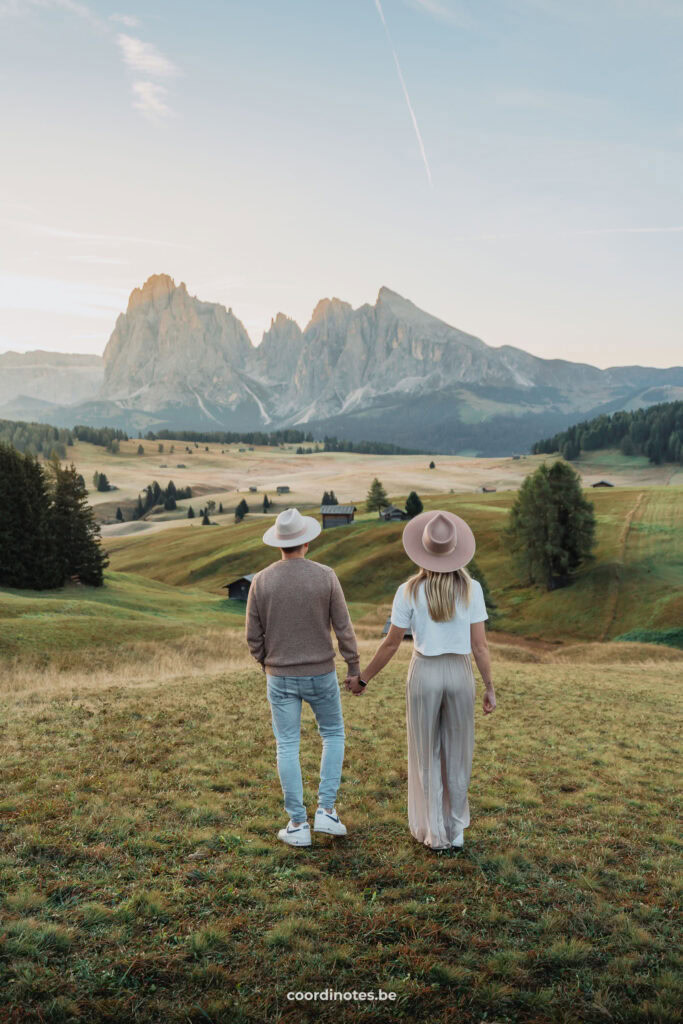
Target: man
(291, 606)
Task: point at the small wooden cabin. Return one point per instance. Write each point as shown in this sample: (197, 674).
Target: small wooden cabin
(337, 515)
(488, 490)
(253, 490)
(406, 636)
(602, 483)
(392, 514)
(283, 489)
(238, 590)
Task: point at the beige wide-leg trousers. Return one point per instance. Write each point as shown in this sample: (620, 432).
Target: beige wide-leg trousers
(440, 693)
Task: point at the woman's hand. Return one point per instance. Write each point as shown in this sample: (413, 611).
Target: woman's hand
(353, 686)
(489, 700)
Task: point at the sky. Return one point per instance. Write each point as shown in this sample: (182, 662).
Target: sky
(514, 167)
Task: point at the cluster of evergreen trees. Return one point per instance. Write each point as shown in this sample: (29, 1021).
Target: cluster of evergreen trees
(275, 437)
(333, 444)
(551, 528)
(656, 432)
(48, 532)
(36, 438)
(102, 436)
(328, 498)
(154, 494)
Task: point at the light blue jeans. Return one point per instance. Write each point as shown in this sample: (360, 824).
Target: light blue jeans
(285, 694)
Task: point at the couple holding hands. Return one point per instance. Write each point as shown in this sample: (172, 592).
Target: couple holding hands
(292, 606)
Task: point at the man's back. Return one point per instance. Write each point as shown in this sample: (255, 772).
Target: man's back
(291, 606)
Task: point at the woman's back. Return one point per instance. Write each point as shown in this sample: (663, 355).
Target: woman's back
(430, 637)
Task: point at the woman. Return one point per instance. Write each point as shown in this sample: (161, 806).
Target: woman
(445, 611)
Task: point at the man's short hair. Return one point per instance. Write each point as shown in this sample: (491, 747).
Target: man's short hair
(297, 547)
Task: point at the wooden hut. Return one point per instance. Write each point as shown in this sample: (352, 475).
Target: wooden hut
(406, 636)
(238, 590)
(337, 515)
(602, 483)
(488, 490)
(283, 489)
(392, 514)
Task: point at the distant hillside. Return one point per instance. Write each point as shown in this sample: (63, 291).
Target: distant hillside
(634, 582)
(656, 432)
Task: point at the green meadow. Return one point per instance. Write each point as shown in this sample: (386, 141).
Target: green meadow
(140, 876)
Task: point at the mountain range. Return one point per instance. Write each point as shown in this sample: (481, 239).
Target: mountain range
(388, 372)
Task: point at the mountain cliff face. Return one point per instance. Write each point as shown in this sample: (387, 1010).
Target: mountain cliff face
(387, 371)
(171, 350)
(49, 376)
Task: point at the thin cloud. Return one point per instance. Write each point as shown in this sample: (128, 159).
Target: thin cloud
(14, 8)
(145, 58)
(87, 236)
(401, 79)
(150, 99)
(129, 20)
(578, 232)
(449, 12)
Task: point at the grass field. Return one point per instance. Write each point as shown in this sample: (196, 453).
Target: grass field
(225, 474)
(634, 581)
(140, 879)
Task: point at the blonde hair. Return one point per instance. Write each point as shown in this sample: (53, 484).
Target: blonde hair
(442, 590)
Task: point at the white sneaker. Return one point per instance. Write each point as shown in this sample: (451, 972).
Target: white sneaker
(329, 823)
(459, 840)
(296, 835)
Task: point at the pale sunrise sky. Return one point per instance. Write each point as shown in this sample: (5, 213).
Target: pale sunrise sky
(514, 167)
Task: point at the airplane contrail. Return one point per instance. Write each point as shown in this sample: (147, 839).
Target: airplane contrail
(401, 79)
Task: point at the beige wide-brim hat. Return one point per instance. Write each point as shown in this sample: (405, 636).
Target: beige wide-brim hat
(440, 541)
(291, 529)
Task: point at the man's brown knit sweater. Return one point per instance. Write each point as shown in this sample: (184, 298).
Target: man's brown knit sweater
(291, 606)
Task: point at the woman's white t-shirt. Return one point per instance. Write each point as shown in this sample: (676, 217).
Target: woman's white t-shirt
(432, 638)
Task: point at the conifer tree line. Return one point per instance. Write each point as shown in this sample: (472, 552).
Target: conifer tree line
(36, 438)
(329, 498)
(102, 436)
(656, 432)
(48, 532)
(154, 494)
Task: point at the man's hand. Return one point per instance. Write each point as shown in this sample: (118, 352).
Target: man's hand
(353, 686)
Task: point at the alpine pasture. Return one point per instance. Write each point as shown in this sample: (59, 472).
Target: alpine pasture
(140, 877)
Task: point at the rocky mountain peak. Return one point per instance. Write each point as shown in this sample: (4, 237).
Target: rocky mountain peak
(329, 308)
(156, 290)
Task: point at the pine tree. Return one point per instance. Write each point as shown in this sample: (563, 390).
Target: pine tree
(413, 505)
(325, 499)
(266, 503)
(28, 551)
(551, 528)
(170, 503)
(220, 508)
(119, 515)
(432, 465)
(190, 512)
(102, 482)
(377, 497)
(205, 520)
(75, 531)
(333, 498)
(476, 573)
(241, 511)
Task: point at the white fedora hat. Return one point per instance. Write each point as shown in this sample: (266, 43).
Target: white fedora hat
(291, 529)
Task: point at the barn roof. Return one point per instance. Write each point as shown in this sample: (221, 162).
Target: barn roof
(338, 510)
(248, 576)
